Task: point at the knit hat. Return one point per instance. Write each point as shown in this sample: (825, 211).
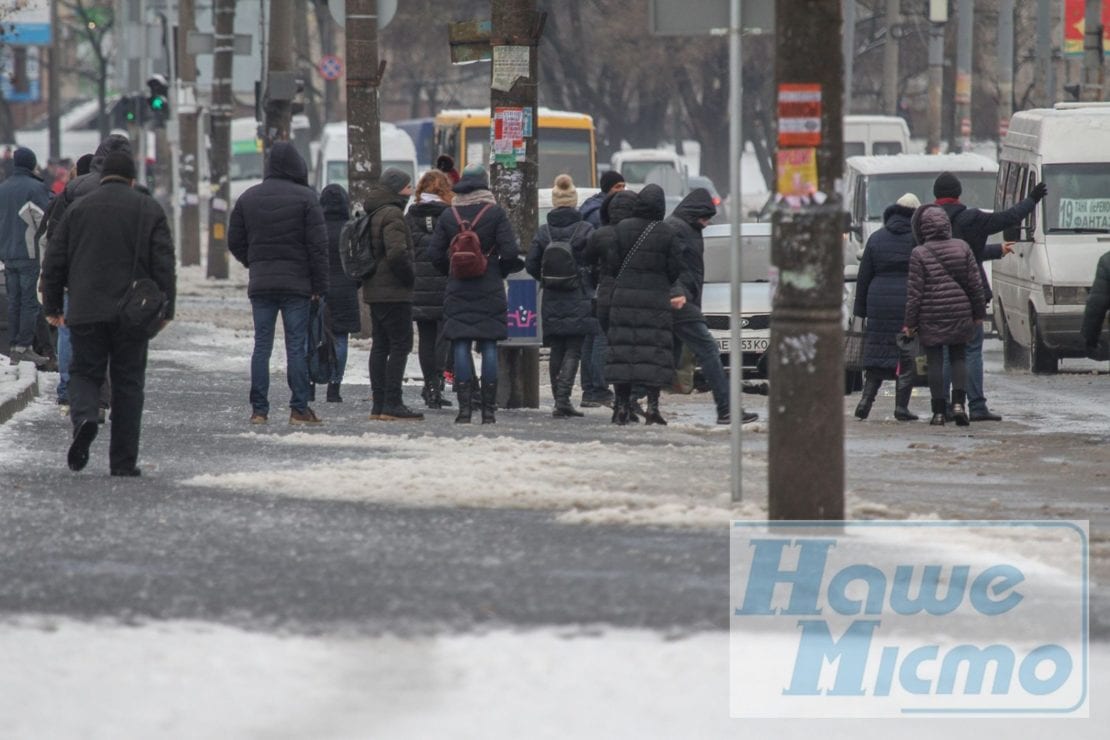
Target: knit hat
(84, 164)
(609, 179)
(909, 200)
(564, 193)
(395, 180)
(118, 164)
(947, 185)
(474, 177)
(25, 158)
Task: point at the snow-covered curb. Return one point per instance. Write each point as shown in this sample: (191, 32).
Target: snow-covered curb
(18, 385)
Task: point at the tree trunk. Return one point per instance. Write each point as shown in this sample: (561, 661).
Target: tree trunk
(220, 114)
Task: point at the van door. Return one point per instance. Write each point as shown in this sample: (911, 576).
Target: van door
(1025, 259)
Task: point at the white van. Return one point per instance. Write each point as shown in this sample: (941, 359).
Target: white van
(871, 135)
(247, 162)
(642, 166)
(1040, 290)
(331, 160)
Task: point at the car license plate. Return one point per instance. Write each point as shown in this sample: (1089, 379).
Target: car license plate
(746, 345)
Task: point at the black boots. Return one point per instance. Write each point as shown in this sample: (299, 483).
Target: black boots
(959, 408)
(465, 392)
(489, 402)
(433, 394)
(871, 385)
(938, 412)
(903, 389)
(333, 393)
(652, 416)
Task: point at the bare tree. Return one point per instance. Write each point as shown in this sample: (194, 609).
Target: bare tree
(94, 22)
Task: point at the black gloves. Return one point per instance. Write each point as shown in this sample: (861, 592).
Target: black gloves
(1039, 192)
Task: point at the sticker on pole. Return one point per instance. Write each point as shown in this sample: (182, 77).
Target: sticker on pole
(799, 114)
(330, 67)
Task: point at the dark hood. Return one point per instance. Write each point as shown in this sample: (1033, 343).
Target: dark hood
(114, 143)
(896, 218)
(563, 216)
(618, 206)
(286, 163)
(931, 224)
(697, 205)
(651, 203)
(334, 202)
(378, 195)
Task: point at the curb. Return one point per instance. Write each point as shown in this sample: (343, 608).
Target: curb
(28, 388)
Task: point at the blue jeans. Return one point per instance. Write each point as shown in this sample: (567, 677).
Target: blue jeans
(594, 350)
(23, 303)
(340, 358)
(976, 401)
(696, 336)
(464, 367)
(65, 356)
(294, 318)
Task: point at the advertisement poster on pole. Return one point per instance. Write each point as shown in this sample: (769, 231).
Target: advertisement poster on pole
(1075, 25)
(510, 128)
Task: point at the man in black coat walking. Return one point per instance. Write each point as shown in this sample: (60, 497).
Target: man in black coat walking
(92, 255)
(277, 231)
(974, 227)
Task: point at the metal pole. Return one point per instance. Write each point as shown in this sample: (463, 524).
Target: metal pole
(848, 51)
(965, 19)
(53, 93)
(1044, 53)
(187, 115)
(890, 58)
(1092, 52)
(1005, 68)
(736, 207)
(936, 85)
(223, 37)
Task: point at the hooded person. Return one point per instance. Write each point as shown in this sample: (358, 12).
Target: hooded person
(343, 313)
(646, 263)
(944, 305)
(23, 201)
(277, 232)
(611, 182)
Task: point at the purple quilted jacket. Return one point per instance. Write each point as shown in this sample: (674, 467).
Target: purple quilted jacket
(944, 294)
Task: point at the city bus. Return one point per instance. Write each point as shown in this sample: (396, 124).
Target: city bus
(565, 140)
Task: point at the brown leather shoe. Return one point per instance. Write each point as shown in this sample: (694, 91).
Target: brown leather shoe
(308, 416)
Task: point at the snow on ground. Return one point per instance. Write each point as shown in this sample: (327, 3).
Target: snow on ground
(67, 679)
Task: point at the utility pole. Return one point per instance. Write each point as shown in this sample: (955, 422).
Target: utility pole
(223, 37)
(1045, 84)
(516, 30)
(1005, 68)
(1092, 53)
(364, 76)
(938, 16)
(53, 92)
(965, 19)
(848, 51)
(890, 57)
(279, 76)
(806, 407)
(187, 115)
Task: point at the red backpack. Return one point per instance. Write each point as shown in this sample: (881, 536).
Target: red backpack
(465, 251)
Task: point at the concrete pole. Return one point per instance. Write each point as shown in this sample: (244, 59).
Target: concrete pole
(1005, 68)
(806, 405)
(1044, 87)
(890, 58)
(364, 138)
(1091, 90)
(517, 23)
(965, 20)
(222, 106)
(848, 50)
(278, 111)
(188, 164)
(54, 92)
(936, 85)
(736, 206)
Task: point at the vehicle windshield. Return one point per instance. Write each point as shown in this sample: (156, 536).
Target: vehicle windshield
(641, 171)
(337, 170)
(883, 190)
(1078, 197)
(246, 160)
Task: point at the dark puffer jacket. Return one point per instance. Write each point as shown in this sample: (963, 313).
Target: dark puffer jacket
(944, 295)
(277, 230)
(881, 286)
(591, 209)
(685, 221)
(564, 312)
(601, 249)
(392, 281)
(1098, 302)
(641, 345)
(975, 226)
(427, 293)
(342, 290)
(476, 308)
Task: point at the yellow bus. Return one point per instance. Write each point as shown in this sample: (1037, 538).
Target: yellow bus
(565, 141)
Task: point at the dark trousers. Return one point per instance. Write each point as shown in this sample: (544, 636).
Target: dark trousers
(433, 350)
(97, 348)
(566, 351)
(389, 353)
(21, 276)
(957, 354)
(696, 336)
(594, 349)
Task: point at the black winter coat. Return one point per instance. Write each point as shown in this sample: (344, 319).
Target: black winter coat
(564, 312)
(641, 343)
(342, 290)
(1098, 302)
(685, 221)
(944, 295)
(427, 293)
(975, 226)
(277, 230)
(82, 185)
(881, 286)
(476, 308)
(601, 250)
(93, 249)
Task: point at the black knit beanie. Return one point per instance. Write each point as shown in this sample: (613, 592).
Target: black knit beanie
(947, 185)
(118, 164)
(610, 178)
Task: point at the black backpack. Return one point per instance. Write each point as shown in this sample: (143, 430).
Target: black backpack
(356, 247)
(558, 268)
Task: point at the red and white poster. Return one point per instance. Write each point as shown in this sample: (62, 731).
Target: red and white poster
(799, 115)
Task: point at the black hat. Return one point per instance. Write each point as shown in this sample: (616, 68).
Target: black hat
(947, 185)
(84, 163)
(25, 158)
(609, 179)
(118, 164)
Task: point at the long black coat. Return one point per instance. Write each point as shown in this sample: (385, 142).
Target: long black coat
(686, 222)
(277, 230)
(974, 227)
(641, 345)
(476, 308)
(564, 312)
(601, 249)
(93, 249)
(427, 293)
(881, 286)
(342, 290)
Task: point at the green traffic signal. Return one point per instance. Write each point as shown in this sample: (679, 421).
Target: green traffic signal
(157, 103)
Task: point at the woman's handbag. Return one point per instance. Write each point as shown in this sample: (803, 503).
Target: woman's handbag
(853, 346)
(911, 351)
(143, 306)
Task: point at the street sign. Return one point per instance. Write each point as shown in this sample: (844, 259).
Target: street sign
(330, 67)
(470, 41)
(203, 43)
(386, 10)
(799, 115)
(699, 17)
(26, 24)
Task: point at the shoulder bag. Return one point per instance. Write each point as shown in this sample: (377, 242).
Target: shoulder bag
(143, 306)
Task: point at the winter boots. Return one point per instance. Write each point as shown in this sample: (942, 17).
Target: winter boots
(433, 394)
(938, 413)
(489, 402)
(653, 416)
(871, 385)
(903, 389)
(333, 393)
(465, 393)
(959, 408)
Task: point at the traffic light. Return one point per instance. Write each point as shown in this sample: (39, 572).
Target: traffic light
(158, 101)
(127, 112)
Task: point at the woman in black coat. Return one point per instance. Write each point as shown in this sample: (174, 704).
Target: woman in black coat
(567, 313)
(645, 265)
(432, 197)
(342, 291)
(476, 309)
(881, 299)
